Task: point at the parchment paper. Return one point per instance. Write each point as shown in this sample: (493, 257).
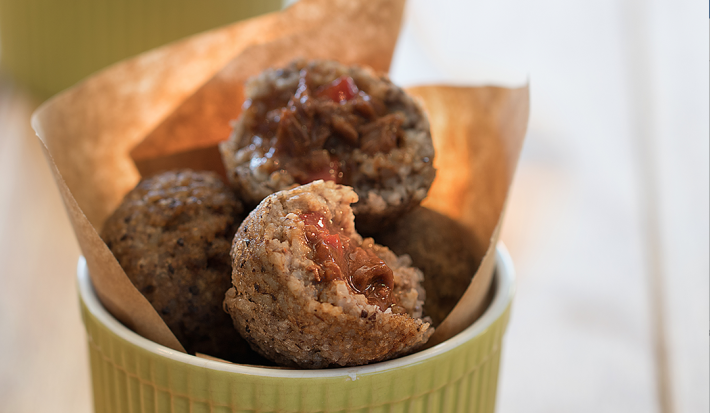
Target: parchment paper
(478, 134)
(169, 107)
(354, 32)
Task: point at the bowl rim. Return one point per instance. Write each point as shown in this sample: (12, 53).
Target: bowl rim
(504, 278)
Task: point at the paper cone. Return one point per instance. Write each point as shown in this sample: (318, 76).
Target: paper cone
(171, 106)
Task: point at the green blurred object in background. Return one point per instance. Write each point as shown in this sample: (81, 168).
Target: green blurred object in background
(48, 45)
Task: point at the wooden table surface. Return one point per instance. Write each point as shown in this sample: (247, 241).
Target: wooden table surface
(607, 222)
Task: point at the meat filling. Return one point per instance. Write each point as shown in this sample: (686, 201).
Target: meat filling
(311, 133)
(337, 258)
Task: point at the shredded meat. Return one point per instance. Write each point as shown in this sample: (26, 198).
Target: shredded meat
(312, 131)
(337, 258)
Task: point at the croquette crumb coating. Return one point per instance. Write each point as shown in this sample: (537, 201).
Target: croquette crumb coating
(289, 316)
(294, 130)
(446, 252)
(172, 235)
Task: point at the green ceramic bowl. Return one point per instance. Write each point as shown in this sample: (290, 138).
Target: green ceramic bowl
(133, 374)
(48, 45)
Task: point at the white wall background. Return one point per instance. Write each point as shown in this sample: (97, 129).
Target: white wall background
(608, 220)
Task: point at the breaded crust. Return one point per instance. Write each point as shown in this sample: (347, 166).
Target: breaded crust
(292, 318)
(172, 235)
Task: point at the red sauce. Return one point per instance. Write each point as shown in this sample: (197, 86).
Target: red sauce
(337, 258)
(340, 90)
(328, 172)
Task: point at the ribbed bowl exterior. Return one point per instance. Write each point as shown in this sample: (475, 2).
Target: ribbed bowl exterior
(129, 378)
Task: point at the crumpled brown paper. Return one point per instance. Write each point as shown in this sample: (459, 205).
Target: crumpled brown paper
(169, 107)
(478, 134)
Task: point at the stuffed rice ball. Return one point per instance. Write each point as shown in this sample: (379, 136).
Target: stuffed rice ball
(322, 120)
(172, 235)
(308, 291)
